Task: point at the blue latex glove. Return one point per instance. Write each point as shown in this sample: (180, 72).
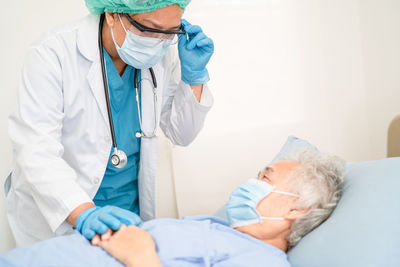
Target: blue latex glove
(97, 220)
(195, 50)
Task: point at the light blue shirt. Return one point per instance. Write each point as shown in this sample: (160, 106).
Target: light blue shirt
(120, 186)
(199, 241)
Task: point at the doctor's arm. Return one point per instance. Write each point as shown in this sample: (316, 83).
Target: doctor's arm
(183, 109)
(35, 130)
(187, 98)
(197, 91)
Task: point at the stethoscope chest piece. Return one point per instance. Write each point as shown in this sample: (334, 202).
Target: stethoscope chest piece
(119, 159)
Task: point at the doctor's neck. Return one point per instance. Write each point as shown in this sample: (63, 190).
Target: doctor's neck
(109, 45)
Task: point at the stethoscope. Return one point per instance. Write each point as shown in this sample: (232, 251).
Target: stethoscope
(118, 157)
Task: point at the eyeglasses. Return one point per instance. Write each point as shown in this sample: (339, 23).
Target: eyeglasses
(151, 32)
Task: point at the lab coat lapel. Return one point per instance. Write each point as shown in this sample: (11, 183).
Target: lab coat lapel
(87, 42)
(95, 81)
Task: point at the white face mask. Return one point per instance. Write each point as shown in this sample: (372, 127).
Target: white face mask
(141, 52)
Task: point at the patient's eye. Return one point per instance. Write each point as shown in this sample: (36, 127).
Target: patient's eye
(266, 178)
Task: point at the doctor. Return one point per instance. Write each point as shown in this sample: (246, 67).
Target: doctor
(91, 98)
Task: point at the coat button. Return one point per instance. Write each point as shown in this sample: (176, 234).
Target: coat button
(96, 181)
(107, 139)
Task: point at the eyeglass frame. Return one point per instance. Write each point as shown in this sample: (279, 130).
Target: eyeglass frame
(143, 28)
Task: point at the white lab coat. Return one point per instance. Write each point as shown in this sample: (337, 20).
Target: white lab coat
(61, 136)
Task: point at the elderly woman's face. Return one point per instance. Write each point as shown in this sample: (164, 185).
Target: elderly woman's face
(277, 205)
(274, 204)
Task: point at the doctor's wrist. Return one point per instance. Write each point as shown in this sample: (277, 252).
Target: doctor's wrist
(195, 77)
(73, 217)
(197, 91)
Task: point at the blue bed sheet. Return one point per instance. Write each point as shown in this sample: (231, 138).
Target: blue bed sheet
(191, 241)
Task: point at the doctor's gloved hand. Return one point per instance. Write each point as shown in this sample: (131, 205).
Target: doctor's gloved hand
(195, 50)
(98, 220)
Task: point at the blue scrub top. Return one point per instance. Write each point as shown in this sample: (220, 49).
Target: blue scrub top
(120, 186)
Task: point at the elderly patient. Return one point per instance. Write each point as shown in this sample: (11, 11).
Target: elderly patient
(266, 216)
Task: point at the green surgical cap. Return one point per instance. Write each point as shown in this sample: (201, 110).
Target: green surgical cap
(130, 6)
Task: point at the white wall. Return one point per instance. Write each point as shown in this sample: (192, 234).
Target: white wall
(380, 21)
(327, 71)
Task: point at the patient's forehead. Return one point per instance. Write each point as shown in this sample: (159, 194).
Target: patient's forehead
(279, 171)
(288, 165)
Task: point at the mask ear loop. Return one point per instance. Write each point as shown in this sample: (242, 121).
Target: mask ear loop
(273, 218)
(286, 193)
(278, 218)
(112, 32)
(270, 218)
(123, 26)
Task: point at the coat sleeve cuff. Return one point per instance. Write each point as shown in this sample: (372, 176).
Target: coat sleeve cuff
(58, 223)
(206, 100)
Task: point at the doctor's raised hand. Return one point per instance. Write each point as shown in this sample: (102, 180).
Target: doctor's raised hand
(195, 50)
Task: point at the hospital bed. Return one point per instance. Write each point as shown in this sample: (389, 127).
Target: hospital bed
(364, 229)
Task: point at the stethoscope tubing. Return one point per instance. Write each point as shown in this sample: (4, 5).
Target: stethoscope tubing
(119, 158)
(105, 82)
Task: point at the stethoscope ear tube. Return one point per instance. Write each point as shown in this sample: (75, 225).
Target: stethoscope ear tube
(104, 73)
(153, 77)
(136, 78)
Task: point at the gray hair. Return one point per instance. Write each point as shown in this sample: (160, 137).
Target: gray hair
(318, 181)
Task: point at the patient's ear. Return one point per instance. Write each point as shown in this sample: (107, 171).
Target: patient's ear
(293, 214)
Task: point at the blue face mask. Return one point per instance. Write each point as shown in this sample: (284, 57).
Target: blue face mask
(241, 207)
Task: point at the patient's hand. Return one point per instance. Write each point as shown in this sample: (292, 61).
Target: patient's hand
(104, 237)
(130, 245)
